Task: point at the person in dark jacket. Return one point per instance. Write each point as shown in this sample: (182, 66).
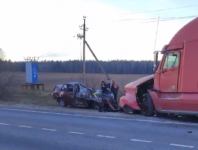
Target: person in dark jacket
(114, 89)
(103, 87)
(76, 90)
(105, 91)
(108, 85)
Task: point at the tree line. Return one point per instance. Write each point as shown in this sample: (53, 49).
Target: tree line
(76, 66)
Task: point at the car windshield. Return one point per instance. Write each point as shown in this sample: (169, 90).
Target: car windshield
(70, 88)
(64, 87)
(83, 89)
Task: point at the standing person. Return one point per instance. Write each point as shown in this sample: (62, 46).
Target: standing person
(104, 91)
(76, 90)
(103, 87)
(108, 85)
(114, 89)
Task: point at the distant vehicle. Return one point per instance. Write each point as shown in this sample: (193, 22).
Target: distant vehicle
(78, 95)
(173, 88)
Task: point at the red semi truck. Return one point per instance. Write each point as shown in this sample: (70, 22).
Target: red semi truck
(173, 88)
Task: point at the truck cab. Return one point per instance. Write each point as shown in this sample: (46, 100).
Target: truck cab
(173, 88)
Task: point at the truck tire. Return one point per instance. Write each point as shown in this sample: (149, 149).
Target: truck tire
(147, 107)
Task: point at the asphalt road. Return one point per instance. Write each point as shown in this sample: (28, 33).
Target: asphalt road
(31, 130)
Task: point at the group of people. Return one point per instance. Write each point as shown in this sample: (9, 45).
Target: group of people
(109, 87)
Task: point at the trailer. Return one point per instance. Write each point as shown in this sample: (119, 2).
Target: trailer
(173, 88)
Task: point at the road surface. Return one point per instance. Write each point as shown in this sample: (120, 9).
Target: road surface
(36, 130)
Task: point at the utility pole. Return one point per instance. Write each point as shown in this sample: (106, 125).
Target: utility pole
(84, 28)
(80, 36)
(107, 76)
(156, 33)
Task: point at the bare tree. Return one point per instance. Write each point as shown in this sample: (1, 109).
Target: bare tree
(2, 54)
(2, 57)
(7, 80)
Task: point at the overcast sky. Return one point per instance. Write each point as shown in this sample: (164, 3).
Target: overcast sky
(117, 29)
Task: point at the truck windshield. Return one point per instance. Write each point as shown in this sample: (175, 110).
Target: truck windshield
(171, 60)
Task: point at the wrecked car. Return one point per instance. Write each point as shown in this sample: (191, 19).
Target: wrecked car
(78, 95)
(75, 94)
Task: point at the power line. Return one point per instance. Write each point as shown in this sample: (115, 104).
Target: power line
(55, 54)
(167, 18)
(165, 9)
(144, 19)
(152, 19)
(161, 9)
(172, 19)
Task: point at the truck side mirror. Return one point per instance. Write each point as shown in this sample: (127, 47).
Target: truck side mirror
(155, 61)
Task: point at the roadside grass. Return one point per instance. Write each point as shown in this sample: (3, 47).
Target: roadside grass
(31, 97)
(42, 98)
(35, 97)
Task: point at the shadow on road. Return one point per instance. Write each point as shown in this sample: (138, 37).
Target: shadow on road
(183, 118)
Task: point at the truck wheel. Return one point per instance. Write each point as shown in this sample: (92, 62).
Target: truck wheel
(147, 107)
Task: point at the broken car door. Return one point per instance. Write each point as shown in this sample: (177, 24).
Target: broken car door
(82, 95)
(70, 94)
(63, 93)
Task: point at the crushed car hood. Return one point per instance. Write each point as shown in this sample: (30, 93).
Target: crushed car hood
(137, 82)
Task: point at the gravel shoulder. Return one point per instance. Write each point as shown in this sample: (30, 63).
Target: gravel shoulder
(68, 110)
(94, 113)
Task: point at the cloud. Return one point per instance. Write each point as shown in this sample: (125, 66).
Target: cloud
(30, 28)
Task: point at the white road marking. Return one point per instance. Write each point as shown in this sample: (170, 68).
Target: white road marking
(137, 140)
(179, 145)
(100, 117)
(75, 133)
(4, 124)
(106, 136)
(49, 129)
(22, 126)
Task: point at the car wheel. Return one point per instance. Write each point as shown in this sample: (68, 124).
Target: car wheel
(94, 105)
(62, 103)
(147, 107)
